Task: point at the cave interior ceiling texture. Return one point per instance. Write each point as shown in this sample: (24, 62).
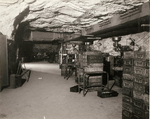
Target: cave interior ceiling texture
(58, 16)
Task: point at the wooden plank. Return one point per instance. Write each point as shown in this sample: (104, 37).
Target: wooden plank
(3, 62)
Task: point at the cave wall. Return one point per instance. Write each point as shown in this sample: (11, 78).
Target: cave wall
(26, 51)
(12, 64)
(11, 17)
(106, 45)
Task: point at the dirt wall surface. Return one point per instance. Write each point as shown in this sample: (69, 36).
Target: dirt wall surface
(106, 45)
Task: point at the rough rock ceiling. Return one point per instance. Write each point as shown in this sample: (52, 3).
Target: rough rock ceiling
(59, 15)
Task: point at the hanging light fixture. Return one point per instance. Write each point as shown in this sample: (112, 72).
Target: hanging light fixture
(116, 39)
(116, 43)
(119, 47)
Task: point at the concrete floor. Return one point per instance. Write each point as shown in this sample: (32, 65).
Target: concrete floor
(47, 96)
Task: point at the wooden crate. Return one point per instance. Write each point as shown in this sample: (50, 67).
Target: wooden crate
(128, 55)
(129, 77)
(118, 81)
(127, 91)
(147, 64)
(139, 104)
(138, 95)
(139, 55)
(146, 115)
(128, 70)
(139, 63)
(127, 99)
(95, 79)
(93, 69)
(127, 84)
(139, 79)
(138, 113)
(141, 71)
(139, 87)
(128, 62)
(146, 98)
(126, 114)
(91, 53)
(127, 106)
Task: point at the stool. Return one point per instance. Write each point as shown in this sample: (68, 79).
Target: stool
(80, 81)
(86, 77)
(69, 71)
(22, 71)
